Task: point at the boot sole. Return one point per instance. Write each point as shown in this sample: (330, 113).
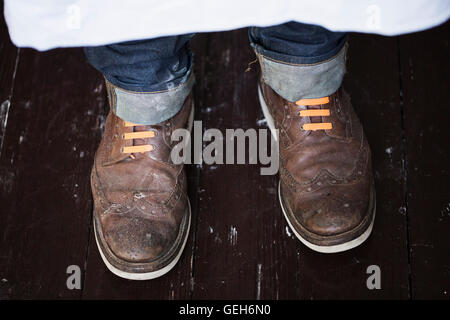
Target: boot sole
(156, 273)
(323, 249)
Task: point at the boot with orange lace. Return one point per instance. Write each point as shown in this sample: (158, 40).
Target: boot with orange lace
(326, 187)
(141, 213)
(141, 208)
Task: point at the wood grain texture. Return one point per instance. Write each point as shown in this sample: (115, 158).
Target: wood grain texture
(8, 61)
(243, 249)
(8, 65)
(53, 129)
(425, 73)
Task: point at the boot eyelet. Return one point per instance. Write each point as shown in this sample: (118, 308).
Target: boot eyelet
(121, 150)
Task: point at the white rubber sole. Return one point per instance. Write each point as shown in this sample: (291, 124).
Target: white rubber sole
(146, 275)
(323, 249)
(163, 271)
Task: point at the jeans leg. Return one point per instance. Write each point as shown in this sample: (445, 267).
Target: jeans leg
(300, 60)
(147, 80)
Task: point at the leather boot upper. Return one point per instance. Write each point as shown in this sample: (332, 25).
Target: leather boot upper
(326, 175)
(140, 198)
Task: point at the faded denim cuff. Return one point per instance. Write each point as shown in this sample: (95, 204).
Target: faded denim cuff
(299, 81)
(148, 108)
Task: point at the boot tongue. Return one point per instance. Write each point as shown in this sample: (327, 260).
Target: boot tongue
(337, 118)
(314, 119)
(161, 151)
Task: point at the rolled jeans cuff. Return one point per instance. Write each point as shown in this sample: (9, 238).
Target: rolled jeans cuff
(149, 108)
(295, 81)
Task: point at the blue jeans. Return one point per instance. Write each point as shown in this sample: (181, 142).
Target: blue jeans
(160, 70)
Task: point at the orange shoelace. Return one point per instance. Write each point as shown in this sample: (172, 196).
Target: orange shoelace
(137, 135)
(315, 113)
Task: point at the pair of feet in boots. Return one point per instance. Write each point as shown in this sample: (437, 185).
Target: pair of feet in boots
(142, 214)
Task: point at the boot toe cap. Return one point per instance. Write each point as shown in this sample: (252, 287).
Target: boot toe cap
(139, 240)
(333, 221)
(331, 211)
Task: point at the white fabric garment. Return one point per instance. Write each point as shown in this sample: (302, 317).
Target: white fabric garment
(46, 24)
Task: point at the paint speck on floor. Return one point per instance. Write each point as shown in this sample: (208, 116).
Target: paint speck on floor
(258, 281)
(288, 232)
(232, 236)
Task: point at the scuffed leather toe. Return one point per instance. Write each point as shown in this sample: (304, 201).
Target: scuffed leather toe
(332, 211)
(137, 239)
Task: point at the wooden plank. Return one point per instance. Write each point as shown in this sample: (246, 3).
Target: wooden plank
(9, 57)
(53, 130)
(425, 77)
(243, 248)
(372, 82)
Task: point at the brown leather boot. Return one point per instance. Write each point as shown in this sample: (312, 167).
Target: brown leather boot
(141, 208)
(326, 185)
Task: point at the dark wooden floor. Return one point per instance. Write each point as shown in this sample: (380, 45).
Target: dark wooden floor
(51, 119)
